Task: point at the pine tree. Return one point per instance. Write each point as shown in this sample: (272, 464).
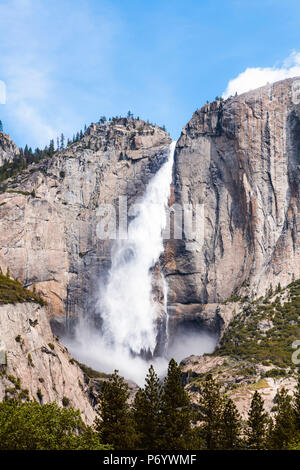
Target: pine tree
(62, 141)
(176, 411)
(294, 443)
(116, 423)
(231, 426)
(1, 126)
(147, 412)
(211, 412)
(256, 424)
(296, 403)
(51, 148)
(284, 427)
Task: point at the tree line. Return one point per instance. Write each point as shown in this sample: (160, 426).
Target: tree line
(161, 417)
(27, 155)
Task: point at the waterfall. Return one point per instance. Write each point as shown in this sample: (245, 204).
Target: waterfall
(128, 310)
(127, 307)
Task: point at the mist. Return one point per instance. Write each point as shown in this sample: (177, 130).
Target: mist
(91, 349)
(187, 342)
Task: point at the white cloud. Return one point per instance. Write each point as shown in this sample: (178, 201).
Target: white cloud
(256, 77)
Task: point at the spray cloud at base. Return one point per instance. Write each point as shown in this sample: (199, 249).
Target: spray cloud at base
(91, 349)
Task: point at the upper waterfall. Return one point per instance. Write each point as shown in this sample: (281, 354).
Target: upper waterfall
(127, 307)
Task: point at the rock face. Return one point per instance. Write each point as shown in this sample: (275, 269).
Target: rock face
(8, 150)
(37, 362)
(238, 379)
(240, 159)
(237, 159)
(49, 218)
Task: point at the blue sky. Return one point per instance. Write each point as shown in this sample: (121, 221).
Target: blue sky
(67, 62)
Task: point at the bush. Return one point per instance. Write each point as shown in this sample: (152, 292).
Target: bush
(275, 373)
(65, 401)
(31, 426)
(12, 292)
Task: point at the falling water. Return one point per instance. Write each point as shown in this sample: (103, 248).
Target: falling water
(127, 308)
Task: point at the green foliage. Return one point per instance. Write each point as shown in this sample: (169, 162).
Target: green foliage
(244, 339)
(115, 423)
(231, 426)
(176, 412)
(275, 373)
(39, 395)
(89, 372)
(31, 426)
(21, 161)
(296, 404)
(160, 418)
(12, 292)
(30, 361)
(24, 193)
(15, 392)
(210, 413)
(65, 401)
(27, 157)
(147, 412)
(284, 427)
(257, 422)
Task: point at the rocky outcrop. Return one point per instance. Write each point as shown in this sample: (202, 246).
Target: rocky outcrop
(50, 215)
(240, 160)
(37, 366)
(8, 150)
(238, 379)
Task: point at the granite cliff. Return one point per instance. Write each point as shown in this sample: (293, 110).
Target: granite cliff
(37, 366)
(240, 158)
(8, 149)
(49, 213)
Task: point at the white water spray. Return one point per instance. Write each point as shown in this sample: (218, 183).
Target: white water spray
(127, 308)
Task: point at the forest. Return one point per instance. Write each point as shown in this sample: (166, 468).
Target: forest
(161, 417)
